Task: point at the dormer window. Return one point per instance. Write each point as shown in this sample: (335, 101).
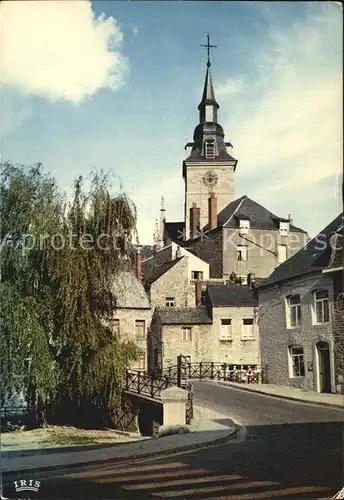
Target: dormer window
(284, 228)
(209, 149)
(244, 226)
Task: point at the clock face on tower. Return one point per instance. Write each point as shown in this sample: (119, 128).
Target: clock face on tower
(210, 178)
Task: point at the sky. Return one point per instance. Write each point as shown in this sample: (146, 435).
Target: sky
(114, 87)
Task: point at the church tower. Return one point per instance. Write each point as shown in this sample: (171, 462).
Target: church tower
(208, 169)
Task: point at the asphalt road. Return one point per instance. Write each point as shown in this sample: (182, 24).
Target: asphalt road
(285, 450)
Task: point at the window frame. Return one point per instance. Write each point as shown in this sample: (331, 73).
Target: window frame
(290, 308)
(322, 301)
(229, 335)
(244, 226)
(170, 302)
(141, 321)
(244, 336)
(209, 146)
(284, 228)
(242, 250)
(278, 253)
(186, 329)
(292, 365)
(198, 278)
(116, 326)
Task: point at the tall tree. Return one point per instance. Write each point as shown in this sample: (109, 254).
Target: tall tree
(58, 264)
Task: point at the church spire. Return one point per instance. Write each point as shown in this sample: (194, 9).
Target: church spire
(208, 106)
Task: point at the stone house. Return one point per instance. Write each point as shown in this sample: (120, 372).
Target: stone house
(133, 314)
(172, 282)
(224, 329)
(245, 238)
(297, 318)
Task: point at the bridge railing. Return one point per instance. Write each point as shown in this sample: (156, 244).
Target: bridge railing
(147, 384)
(243, 373)
(151, 385)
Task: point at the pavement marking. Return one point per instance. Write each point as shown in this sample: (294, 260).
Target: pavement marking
(125, 470)
(274, 493)
(187, 480)
(145, 477)
(211, 489)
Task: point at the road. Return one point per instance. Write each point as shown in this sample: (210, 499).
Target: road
(285, 450)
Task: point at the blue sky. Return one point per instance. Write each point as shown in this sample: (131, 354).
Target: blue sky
(116, 85)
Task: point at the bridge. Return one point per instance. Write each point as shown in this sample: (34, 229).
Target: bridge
(143, 389)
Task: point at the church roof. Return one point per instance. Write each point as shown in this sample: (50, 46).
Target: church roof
(184, 315)
(208, 96)
(314, 256)
(197, 156)
(259, 216)
(231, 294)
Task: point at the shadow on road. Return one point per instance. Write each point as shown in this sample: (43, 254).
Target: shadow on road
(303, 460)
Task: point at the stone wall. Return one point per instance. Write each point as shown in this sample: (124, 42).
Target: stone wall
(209, 248)
(275, 336)
(198, 348)
(236, 350)
(262, 250)
(174, 283)
(338, 328)
(127, 318)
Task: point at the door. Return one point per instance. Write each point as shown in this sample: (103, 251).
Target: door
(324, 366)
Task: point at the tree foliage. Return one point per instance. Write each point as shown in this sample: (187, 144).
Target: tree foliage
(58, 262)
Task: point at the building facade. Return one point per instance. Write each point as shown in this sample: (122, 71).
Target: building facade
(297, 319)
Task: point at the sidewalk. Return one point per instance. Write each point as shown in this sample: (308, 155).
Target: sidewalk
(207, 428)
(292, 393)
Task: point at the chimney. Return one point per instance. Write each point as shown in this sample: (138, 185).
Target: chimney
(138, 264)
(212, 211)
(195, 215)
(198, 293)
(251, 278)
(291, 222)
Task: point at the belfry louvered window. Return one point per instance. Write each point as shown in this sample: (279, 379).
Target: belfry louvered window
(209, 149)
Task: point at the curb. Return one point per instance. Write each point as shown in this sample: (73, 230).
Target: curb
(129, 458)
(290, 398)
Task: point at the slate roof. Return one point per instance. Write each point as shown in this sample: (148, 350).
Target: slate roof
(129, 292)
(160, 270)
(174, 231)
(231, 295)
(184, 315)
(259, 217)
(196, 156)
(312, 257)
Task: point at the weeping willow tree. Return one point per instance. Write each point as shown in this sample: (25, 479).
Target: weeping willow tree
(58, 292)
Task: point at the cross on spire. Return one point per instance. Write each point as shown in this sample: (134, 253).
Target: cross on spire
(208, 47)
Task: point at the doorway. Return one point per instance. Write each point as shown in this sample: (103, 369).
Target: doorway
(324, 367)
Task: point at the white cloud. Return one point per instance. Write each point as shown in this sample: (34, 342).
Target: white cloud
(291, 132)
(59, 49)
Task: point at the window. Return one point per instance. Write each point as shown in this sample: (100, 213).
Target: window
(297, 364)
(142, 361)
(209, 149)
(247, 329)
(170, 302)
(186, 334)
(282, 253)
(242, 253)
(115, 326)
(226, 329)
(140, 330)
(284, 228)
(196, 275)
(294, 304)
(322, 314)
(244, 226)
